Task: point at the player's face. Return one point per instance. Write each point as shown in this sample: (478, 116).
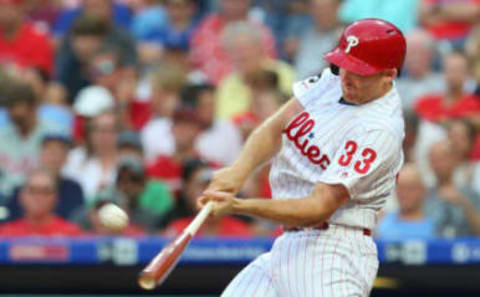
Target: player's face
(360, 89)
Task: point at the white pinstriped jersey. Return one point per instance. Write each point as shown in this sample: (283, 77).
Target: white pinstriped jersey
(359, 146)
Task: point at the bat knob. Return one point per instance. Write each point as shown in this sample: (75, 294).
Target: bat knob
(146, 281)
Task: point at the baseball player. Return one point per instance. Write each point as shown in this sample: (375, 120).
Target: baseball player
(336, 149)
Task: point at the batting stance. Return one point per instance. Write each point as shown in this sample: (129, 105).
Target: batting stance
(336, 149)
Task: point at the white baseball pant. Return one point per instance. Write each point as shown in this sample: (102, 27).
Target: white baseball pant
(337, 262)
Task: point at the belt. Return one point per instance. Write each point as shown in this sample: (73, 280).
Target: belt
(323, 226)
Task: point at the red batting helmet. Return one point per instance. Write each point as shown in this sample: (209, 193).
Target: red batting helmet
(369, 46)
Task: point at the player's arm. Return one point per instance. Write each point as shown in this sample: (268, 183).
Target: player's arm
(260, 147)
(318, 207)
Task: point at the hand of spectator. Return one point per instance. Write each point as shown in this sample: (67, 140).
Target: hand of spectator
(227, 179)
(223, 202)
(450, 194)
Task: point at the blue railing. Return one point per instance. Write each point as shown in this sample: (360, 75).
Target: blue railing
(222, 251)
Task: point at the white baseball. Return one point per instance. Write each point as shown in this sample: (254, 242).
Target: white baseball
(113, 217)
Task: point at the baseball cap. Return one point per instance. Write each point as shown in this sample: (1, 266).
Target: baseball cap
(129, 138)
(62, 137)
(133, 164)
(92, 101)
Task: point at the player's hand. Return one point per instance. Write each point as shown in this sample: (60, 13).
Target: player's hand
(228, 179)
(223, 202)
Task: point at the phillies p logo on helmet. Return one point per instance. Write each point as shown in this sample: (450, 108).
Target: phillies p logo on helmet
(352, 42)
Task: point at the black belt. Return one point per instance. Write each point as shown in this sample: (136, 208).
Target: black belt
(323, 226)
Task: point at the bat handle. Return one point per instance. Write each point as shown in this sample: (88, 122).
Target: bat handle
(193, 227)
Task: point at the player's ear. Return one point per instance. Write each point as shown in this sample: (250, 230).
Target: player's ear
(391, 74)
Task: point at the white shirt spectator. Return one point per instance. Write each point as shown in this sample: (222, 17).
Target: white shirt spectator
(157, 138)
(222, 142)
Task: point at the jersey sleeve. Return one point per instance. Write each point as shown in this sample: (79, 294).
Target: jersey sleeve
(309, 89)
(366, 163)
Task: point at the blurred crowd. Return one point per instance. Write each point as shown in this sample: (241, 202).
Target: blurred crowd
(137, 102)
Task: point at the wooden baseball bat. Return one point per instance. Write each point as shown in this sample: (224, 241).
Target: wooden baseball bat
(160, 267)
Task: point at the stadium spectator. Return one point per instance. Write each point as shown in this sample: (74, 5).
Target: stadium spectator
(146, 201)
(22, 42)
(94, 165)
(461, 134)
(21, 141)
(449, 20)
(85, 39)
(266, 99)
(208, 52)
(195, 177)
(419, 78)
(108, 10)
(87, 36)
(107, 69)
(169, 168)
(90, 102)
(437, 109)
(243, 42)
(318, 39)
(167, 83)
(455, 210)
(38, 198)
(403, 14)
(410, 221)
(219, 140)
(69, 193)
(172, 37)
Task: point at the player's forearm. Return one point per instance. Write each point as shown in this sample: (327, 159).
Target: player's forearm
(260, 147)
(306, 211)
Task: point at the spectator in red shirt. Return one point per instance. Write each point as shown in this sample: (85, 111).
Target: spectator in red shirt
(437, 109)
(196, 177)
(450, 19)
(22, 42)
(38, 198)
(208, 53)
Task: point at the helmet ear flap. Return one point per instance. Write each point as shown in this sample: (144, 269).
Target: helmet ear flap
(334, 69)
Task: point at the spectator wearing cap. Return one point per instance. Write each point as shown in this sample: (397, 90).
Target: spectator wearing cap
(454, 209)
(22, 42)
(410, 222)
(167, 83)
(38, 199)
(169, 168)
(207, 49)
(108, 10)
(437, 109)
(220, 140)
(53, 155)
(130, 144)
(242, 41)
(21, 141)
(174, 36)
(90, 102)
(196, 177)
(94, 164)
